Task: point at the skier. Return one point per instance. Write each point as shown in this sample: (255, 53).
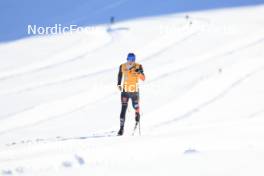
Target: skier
(130, 72)
(112, 20)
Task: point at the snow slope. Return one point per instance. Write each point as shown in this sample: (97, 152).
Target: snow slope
(15, 15)
(202, 102)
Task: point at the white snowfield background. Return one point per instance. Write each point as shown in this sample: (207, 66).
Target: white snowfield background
(202, 103)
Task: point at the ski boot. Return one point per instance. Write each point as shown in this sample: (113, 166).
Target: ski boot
(121, 131)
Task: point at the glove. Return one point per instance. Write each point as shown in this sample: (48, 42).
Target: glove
(138, 70)
(119, 87)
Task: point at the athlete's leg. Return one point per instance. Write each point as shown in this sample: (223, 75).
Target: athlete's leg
(135, 103)
(124, 102)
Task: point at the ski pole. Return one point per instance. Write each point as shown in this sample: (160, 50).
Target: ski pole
(139, 130)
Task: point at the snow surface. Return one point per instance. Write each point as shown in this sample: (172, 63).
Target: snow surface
(202, 102)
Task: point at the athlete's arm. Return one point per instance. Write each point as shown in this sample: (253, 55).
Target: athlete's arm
(141, 73)
(119, 78)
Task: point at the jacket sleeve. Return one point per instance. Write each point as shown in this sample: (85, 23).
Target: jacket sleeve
(120, 74)
(142, 75)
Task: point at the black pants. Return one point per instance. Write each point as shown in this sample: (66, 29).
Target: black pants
(125, 96)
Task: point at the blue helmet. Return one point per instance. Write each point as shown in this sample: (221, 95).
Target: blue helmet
(131, 57)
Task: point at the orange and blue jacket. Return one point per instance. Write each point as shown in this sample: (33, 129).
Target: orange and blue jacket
(130, 75)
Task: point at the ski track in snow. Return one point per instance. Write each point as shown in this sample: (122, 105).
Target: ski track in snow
(60, 138)
(62, 114)
(256, 114)
(212, 100)
(47, 66)
(213, 58)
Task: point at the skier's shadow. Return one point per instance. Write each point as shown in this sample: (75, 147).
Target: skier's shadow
(111, 29)
(59, 138)
(111, 134)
